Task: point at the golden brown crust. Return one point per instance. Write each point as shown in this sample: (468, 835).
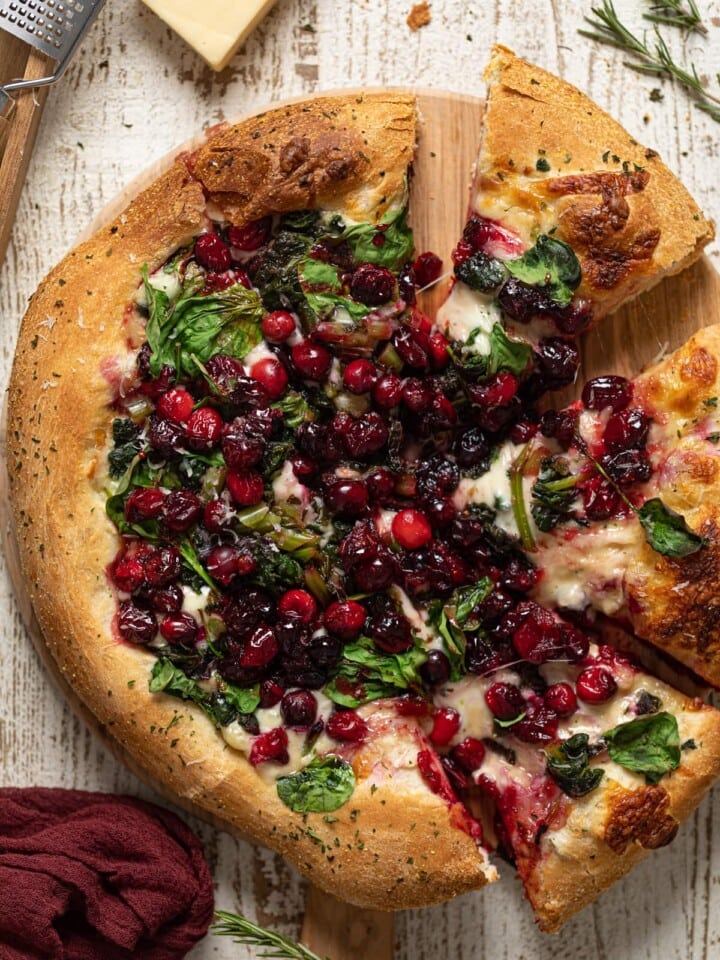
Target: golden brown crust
(615, 826)
(628, 218)
(76, 344)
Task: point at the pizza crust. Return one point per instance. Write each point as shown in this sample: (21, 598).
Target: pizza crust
(628, 218)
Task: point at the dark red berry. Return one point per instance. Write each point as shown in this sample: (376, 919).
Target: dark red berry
(252, 235)
(128, 574)
(627, 429)
(260, 648)
(163, 566)
(144, 503)
(539, 725)
(417, 395)
(278, 326)
(179, 628)
(380, 484)
(135, 624)
(359, 376)
(180, 510)
(270, 747)
(469, 754)
(298, 708)
(522, 431)
(212, 252)
(446, 723)
(223, 563)
(299, 603)
(436, 669)
(203, 428)
(609, 391)
(345, 620)
(217, 515)
(561, 698)
(346, 498)
(272, 375)
(165, 436)
(411, 352)
(427, 268)
(311, 360)
(600, 499)
(595, 685)
(438, 351)
(387, 391)
(270, 693)
(391, 632)
(347, 727)
(411, 529)
(504, 700)
(498, 391)
(246, 487)
(166, 599)
(628, 466)
(372, 285)
(176, 404)
(492, 238)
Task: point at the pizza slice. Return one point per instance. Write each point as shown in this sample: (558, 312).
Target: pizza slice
(569, 218)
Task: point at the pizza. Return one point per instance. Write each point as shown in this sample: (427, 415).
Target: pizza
(251, 483)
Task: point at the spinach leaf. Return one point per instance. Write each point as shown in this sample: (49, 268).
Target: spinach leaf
(467, 598)
(512, 356)
(165, 677)
(324, 785)
(295, 408)
(364, 674)
(192, 561)
(244, 699)
(666, 530)
(567, 764)
(323, 290)
(550, 265)
(396, 247)
(553, 493)
(649, 745)
(480, 272)
(276, 568)
(126, 445)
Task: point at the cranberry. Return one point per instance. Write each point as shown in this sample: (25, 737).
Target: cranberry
(417, 395)
(212, 252)
(244, 442)
(347, 727)
(440, 512)
(560, 424)
(627, 429)
(365, 436)
(504, 700)
(176, 405)
(345, 620)
(252, 235)
(375, 573)
(438, 351)
(561, 698)
(537, 637)
(180, 510)
(270, 693)
(556, 362)
(539, 725)
(217, 515)
(222, 563)
(523, 302)
(246, 487)
(523, 431)
(179, 628)
(491, 238)
(372, 285)
(411, 529)
(595, 685)
(300, 603)
(519, 574)
(346, 498)
(380, 484)
(325, 650)
(387, 391)
(443, 413)
(135, 624)
(498, 391)
(437, 477)
(128, 574)
(600, 499)
(165, 436)
(628, 466)
(359, 376)
(144, 503)
(411, 352)
(203, 428)
(436, 669)
(272, 375)
(278, 326)
(462, 252)
(163, 566)
(609, 391)
(469, 754)
(391, 632)
(260, 648)
(446, 723)
(270, 747)
(472, 447)
(166, 599)
(427, 268)
(298, 708)
(311, 360)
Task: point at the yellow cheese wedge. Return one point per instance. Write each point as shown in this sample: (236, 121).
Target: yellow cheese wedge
(215, 28)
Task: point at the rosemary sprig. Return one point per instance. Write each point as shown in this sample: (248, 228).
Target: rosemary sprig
(250, 934)
(674, 14)
(658, 61)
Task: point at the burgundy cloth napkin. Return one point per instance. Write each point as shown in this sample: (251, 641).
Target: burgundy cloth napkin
(92, 876)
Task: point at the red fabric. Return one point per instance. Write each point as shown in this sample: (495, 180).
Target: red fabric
(92, 876)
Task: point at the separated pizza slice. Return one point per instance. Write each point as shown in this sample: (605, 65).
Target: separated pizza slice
(569, 218)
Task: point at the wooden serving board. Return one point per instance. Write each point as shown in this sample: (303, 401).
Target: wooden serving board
(660, 320)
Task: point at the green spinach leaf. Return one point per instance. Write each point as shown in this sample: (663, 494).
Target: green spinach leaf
(553, 493)
(323, 290)
(364, 674)
(324, 785)
(666, 530)
(648, 745)
(397, 241)
(551, 265)
(568, 765)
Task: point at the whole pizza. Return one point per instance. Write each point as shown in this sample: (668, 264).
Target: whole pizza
(336, 574)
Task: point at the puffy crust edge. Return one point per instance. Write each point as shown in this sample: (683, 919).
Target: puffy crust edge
(626, 240)
(73, 350)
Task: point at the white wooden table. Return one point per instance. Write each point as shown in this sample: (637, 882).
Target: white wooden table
(134, 92)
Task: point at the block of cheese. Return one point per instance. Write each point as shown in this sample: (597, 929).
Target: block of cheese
(215, 28)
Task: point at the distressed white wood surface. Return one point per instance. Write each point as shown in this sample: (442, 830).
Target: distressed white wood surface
(135, 91)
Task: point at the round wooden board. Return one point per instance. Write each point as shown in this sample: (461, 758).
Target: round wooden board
(660, 320)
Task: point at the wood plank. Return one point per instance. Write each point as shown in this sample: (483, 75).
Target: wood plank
(335, 929)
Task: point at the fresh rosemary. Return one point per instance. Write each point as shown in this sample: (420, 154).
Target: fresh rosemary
(673, 13)
(250, 934)
(655, 60)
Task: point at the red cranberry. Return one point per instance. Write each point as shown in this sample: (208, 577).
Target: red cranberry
(628, 466)
(600, 499)
(359, 376)
(212, 252)
(166, 599)
(311, 360)
(163, 566)
(539, 725)
(372, 285)
(203, 428)
(523, 431)
(347, 727)
(298, 708)
(260, 648)
(270, 693)
(627, 429)
(346, 498)
(300, 603)
(561, 698)
(491, 238)
(176, 404)
(179, 628)
(462, 252)
(427, 268)
(469, 754)
(436, 669)
(380, 484)
(135, 624)
(391, 632)
(270, 747)
(374, 574)
(244, 442)
(365, 436)
(595, 685)
(498, 391)
(246, 487)
(387, 392)
(345, 620)
(180, 510)
(128, 574)
(556, 362)
(217, 515)
(560, 424)
(472, 447)
(165, 436)
(278, 326)
(417, 395)
(405, 341)
(411, 529)
(303, 467)
(438, 351)
(610, 391)
(252, 235)
(446, 723)
(223, 562)
(504, 700)
(440, 513)
(272, 375)
(144, 503)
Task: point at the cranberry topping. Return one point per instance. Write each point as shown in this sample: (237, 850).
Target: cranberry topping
(600, 499)
(144, 503)
(224, 563)
(260, 647)
(179, 628)
(411, 529)
(128, 574)
(272, 375)
(560, 697)
(278, 326)
(217, 514)
(166, 599)
(436, 669)
(372, 285)
(628, 466)
(504, 700)
(390, 632)
(359, 376)
(346, 498)
(539, 725)
(252, 235)
(163, 566)
(311, 360)
(427, 268)
(298, 708)
(405, 341)
(446, 723)
(271, 693)
(491, 238)
(246, 487)
(180, 510)
(347, 726)
(176, 404)
(595, 685)
(387, 391)
(345, 620)
(627, 429)
(270, 747)
(609, 391)
(212, 252)
(135, 624)
(432, 772)
(203, 429)
(469, 754)
(299, 603)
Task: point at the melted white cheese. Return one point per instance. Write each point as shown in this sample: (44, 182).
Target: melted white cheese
(493, 489)
(466, 311)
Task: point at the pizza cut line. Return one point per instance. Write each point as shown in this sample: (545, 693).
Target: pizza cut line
(302, 551)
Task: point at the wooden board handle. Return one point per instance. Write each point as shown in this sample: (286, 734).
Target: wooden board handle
(342, 932)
